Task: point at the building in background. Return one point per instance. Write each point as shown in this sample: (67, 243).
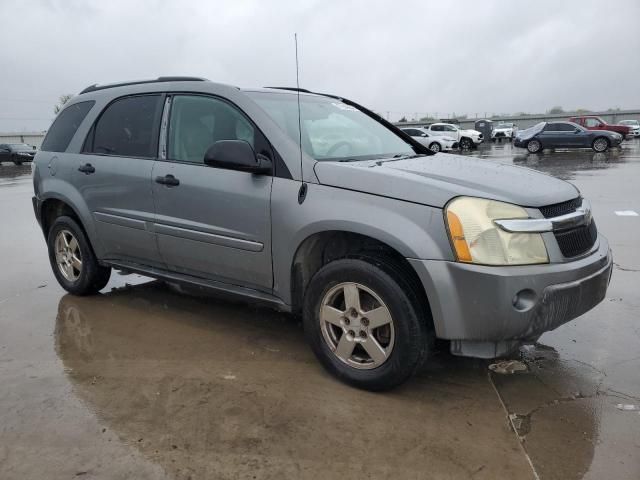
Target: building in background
(30, 138)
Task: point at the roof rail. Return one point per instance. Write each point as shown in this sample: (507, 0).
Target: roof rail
(293, 89)
(94, 87)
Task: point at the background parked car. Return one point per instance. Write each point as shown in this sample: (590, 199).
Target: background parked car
(565, 135)
(17, 153)
(465, 138)
(506, 130)
(591, 122)
(634, 125)
(432, 142)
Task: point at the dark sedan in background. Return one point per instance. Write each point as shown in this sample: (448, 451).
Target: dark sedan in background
(17, 153)
(565, 135)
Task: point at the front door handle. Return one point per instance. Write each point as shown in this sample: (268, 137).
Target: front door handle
(168, 180)
(87, 169)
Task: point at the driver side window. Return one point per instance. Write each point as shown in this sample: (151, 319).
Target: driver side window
(197, 122)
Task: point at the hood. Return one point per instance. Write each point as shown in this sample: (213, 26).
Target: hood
(470, 132)
(436, 179)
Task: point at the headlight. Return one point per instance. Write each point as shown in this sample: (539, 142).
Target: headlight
(475, 237)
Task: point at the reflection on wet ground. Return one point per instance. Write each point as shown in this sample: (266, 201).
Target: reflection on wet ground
(144, 381)
(561, 163)
(230, 391)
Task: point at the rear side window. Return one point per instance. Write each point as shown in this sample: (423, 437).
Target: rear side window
(64, 127)
(128, 127)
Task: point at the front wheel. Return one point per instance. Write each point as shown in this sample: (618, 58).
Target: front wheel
(435, 147)
(600, 144)
(466, 143)
(365, 324)
(72, 259)
(534, 146)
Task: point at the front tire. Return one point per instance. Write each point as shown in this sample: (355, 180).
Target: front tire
(534, 146)
(365, 323)
(72, 259)
(466, 143)
(435, 147)
(600, 144)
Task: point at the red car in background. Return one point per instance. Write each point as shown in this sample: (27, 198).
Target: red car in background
(591, 122)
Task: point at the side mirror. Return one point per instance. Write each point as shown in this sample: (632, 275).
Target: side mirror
(236, 155)
(424, 135)
(577, 130)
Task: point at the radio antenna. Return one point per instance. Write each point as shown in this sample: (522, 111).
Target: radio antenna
(303, 188)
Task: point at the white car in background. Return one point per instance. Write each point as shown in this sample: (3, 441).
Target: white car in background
(466, 138)
(506, 130)
(435, 143)
(634, 125)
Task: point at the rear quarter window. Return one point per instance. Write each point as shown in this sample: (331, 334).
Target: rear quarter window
(65, 126)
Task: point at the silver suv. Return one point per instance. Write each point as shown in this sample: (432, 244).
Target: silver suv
(315, 205)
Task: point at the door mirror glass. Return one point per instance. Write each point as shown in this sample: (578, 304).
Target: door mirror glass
(236, 155)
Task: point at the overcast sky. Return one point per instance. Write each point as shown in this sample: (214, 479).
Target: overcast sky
(464, 57)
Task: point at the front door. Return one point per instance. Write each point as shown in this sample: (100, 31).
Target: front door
(113, 175)
(212, 223)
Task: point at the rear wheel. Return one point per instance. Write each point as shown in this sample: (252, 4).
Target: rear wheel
(365, 324)
(435, 147)
(72, 259)
(534, 146)
(600, 144)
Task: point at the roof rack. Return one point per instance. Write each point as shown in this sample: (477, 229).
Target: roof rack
(94, 87)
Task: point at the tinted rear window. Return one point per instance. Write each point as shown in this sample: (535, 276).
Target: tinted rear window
(128, 127)
(64, 127)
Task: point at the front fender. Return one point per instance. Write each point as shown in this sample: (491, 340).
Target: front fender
(413, 230)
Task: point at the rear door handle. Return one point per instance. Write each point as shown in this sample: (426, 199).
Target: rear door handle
(87, 169)
(168, 180)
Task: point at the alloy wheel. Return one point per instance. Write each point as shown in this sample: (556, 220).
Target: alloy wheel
(434, 147)
(68, 255)
(600, 145)
(356, 325)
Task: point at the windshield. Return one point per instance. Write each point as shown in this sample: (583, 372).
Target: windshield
(331, 129)
(505, 125)
(18, 147)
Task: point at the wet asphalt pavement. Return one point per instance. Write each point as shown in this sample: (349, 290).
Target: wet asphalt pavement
(144, 381)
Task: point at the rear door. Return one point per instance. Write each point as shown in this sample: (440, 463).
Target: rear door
(113, 174)
(212, 223)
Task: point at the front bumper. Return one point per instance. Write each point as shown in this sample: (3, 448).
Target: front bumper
(477, 305)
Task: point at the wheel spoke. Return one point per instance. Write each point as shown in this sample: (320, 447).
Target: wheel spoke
(345, 347)
(331, 315)
(73, 244)
(76, 263)
(378, 317)
(374, 349)
(65, 240)
(352, 297)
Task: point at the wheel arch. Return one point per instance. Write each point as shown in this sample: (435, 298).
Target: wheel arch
(54, 205)
(320, 248)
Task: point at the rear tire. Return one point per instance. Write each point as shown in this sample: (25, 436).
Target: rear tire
(399, 344)
(600, 144)
(72, 259)
(534, 146)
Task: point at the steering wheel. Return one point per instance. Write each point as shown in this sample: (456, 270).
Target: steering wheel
(337, 145)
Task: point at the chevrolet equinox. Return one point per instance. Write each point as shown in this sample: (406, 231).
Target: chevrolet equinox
(317, 206)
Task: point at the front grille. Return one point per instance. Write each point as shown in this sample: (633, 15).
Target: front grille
(500, 134)
(563, 208)
(577, 241)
